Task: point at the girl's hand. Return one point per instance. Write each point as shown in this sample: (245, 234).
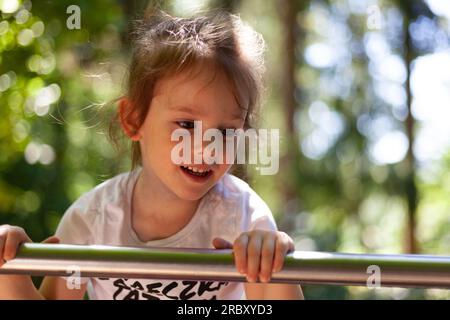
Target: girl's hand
(258, 252)
(10, 239)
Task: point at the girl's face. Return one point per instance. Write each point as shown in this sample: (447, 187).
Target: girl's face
(178, 101)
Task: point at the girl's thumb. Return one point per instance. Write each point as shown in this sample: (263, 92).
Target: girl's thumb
(51, 239)
(220, 243)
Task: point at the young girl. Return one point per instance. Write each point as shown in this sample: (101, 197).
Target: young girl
(206, 69)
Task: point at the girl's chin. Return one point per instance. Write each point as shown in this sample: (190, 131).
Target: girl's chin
(190, 188)
(190, 195)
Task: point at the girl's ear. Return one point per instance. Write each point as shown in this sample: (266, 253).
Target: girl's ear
(129, 119)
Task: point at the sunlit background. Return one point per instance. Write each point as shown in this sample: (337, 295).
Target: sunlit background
(360, 90)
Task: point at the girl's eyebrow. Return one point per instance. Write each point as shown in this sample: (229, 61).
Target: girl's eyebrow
(184, 108)
(193, 110)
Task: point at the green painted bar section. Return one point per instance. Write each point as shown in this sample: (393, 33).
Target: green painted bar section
(347, 260)
(129, 254)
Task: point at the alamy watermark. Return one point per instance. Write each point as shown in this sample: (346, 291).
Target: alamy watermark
(74, 19)
(74, 280)
(374, 278)
(230, 146)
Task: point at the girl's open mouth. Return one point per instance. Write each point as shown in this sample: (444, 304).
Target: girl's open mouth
(197, 173)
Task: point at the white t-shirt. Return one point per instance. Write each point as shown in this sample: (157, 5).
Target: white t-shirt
(102, 217)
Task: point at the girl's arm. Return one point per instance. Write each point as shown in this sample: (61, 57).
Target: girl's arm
(273, 291)
(21, 287)
(14, 286)
(55, 288)
(18, 287)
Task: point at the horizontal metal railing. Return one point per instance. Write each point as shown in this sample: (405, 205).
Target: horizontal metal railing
(209, 264)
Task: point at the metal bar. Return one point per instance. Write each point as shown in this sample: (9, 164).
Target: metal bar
(209, 264)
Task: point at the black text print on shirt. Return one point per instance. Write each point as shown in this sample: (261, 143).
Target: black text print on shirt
(131, 289)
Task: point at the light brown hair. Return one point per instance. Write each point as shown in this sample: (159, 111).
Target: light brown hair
(163, 45)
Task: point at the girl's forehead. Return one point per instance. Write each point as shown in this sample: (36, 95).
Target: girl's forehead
(197, 88)
(193, 78)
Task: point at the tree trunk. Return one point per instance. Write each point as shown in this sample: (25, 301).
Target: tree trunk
(410, 184)
(289, 163)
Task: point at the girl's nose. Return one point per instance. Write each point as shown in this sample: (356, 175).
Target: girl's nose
(205, 151)
(199, 147)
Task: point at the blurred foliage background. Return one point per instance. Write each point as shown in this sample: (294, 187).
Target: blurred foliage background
(360, 90)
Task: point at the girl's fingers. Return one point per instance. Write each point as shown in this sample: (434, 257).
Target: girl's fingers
(254, 257)
(15, 237)
(291, 245)
(2, 245)
(11, 244)
(52, 239)
(3, 235)
(281, 248)
(240, 253)
(267, 257)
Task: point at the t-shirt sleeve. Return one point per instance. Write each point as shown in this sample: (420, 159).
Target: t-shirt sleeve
(260, 214)
(76, 225)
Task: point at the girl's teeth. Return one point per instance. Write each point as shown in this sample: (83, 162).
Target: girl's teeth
(195, 169)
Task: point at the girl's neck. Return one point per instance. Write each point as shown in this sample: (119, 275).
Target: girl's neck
(153, 204)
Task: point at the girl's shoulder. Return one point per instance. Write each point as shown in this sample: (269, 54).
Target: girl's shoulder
(112, 191)
(80, 222)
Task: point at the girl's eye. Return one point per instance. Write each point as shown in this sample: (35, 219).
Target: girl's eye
(228, 133)
(186, 124)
